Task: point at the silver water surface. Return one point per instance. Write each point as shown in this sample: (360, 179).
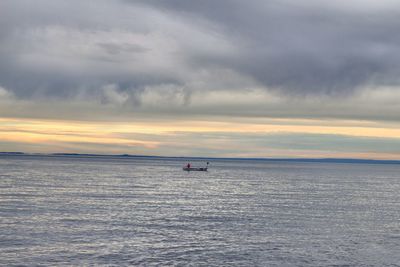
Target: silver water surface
(144, 212)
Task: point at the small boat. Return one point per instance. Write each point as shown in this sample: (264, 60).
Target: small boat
(201, 169)
(195, 169)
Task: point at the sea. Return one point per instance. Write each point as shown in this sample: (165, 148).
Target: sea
(122, 211)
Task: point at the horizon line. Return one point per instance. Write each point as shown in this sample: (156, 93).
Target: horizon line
(300, 159)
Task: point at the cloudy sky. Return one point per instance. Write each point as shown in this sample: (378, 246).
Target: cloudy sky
(227, 78)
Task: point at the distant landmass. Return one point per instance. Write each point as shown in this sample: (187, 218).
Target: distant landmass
(12, 153)
(322, 160)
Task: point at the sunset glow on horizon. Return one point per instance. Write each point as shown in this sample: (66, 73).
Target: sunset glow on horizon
(148, 138)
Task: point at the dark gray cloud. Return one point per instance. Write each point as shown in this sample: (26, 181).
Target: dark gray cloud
(74, 49)
(303, 46)
(70, 49)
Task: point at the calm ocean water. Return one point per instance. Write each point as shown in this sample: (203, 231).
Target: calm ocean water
(57, 211)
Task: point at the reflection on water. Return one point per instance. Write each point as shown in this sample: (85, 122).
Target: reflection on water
(108, 211)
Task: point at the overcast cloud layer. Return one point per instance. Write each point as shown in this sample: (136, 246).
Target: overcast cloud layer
(290, 57)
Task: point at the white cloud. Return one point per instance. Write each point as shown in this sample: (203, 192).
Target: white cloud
(5, 94)
(111, 95)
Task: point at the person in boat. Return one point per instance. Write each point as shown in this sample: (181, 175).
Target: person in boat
(188, 166)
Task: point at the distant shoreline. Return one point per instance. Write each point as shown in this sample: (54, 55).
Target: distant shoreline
(305, 160)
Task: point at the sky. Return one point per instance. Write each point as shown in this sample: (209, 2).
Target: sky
(227, 78)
